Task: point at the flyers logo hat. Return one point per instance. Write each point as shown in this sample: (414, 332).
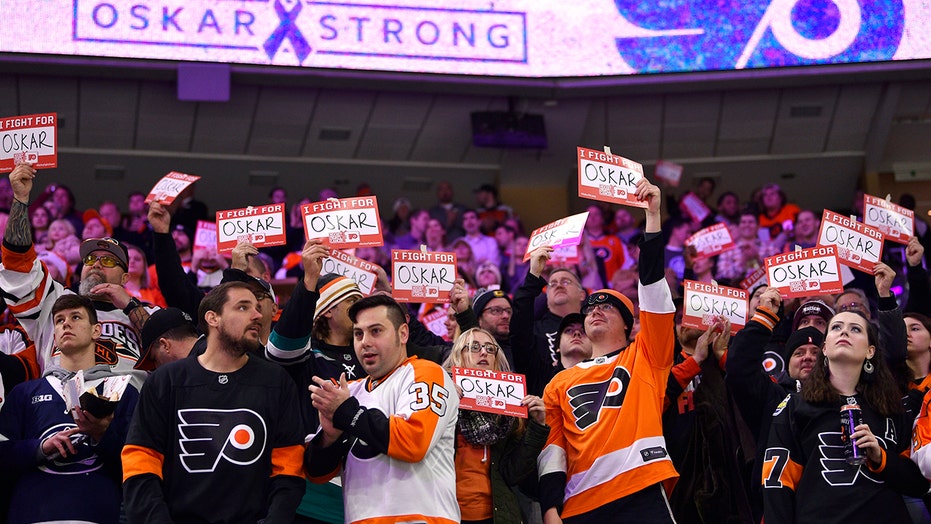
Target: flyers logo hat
(587, 400)
(208, 436)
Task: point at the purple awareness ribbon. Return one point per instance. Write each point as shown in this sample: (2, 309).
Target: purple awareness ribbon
(287, 29)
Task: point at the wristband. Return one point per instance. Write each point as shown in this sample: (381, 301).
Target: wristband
(133, 304)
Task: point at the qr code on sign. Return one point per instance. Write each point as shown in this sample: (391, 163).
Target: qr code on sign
(338, 237)
(419, 291)
(707, 319)
(605, 190)
(797, 286)
(245, 238)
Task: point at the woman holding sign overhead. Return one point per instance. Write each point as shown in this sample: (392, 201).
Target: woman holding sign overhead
(493, 452)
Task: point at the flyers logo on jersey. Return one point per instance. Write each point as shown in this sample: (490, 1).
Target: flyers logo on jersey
(587, 400)
(834, 467)
(238, 436)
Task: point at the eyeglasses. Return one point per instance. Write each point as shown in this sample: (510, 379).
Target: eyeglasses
(564, 282)
(498, 311)
(603, 307)
(489, 347)
(105, 261)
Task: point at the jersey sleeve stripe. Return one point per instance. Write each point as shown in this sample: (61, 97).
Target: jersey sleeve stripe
(36, 299)
(19, 262)
(288, 460)
(656, 297)
(552, 460)
(882, 462)
(140, 460)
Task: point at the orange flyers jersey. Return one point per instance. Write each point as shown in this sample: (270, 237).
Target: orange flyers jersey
(606, 431)
(416, 480)
(921, 437)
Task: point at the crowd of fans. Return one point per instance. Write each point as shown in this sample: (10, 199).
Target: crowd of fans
(709, 426)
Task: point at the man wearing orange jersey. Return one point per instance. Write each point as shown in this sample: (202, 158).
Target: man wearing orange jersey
(605, 459)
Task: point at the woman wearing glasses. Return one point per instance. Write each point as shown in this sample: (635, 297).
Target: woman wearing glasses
(493, 452)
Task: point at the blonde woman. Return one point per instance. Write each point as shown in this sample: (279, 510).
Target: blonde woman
(493, 452)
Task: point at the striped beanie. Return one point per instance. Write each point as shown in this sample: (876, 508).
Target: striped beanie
(334, 289)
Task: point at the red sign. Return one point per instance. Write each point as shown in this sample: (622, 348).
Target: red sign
(711, 241)
(754, 279)
(702, 302)
(261, 226)
(895, 222)
(491, 391)
(422, 276)
(609, 178)
(169, 187)
(360, 271)
(561, 233)
(694, 207)
(344, 223)
(813, 271)
(668, 172)
(205, 236)
(31, 139)
(858, 246)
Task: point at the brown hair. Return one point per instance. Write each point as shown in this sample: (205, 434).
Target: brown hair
(878, 388)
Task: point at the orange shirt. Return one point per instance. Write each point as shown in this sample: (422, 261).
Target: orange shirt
(473, 480)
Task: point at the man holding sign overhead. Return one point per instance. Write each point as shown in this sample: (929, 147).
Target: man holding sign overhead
(605, 458)
(30, 292)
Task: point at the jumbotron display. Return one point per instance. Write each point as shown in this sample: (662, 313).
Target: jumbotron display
(516, 38)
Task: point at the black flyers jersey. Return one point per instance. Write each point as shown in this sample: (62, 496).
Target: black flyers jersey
(221, 436)
(807, 479)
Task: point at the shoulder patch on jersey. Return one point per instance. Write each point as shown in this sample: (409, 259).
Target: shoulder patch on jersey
(782, 405)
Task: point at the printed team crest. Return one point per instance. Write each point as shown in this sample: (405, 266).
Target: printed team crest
(238, 436)
(587, 400)
(834, 467)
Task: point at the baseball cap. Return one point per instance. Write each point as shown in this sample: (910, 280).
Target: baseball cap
(161, 322)
(812, 307)
(109, 244)
(334, 289)
(484, 296)
(568, 320)
(258, 285)
(618, 300)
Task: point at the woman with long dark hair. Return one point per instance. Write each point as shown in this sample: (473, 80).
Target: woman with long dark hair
(810, 473)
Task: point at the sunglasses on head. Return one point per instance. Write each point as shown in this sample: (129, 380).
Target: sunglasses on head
(105, 260)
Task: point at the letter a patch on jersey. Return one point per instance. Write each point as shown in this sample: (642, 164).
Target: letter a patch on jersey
(587, 400)
(208, 435)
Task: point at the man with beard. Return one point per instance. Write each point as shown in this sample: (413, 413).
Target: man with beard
(217, 437)
(30, 292)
